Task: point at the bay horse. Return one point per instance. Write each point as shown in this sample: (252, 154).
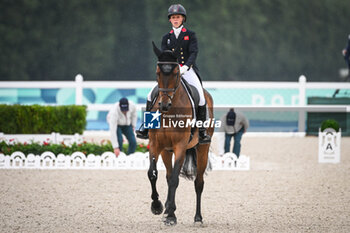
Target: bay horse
(174, 101)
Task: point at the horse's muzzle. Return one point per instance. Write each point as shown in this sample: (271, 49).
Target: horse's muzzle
(164, 107)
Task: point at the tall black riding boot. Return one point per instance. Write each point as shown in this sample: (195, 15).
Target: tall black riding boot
(142, 132)
(204, 138)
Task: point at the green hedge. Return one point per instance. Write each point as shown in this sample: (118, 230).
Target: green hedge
(36, 119)
(85, 147)
(37, 148)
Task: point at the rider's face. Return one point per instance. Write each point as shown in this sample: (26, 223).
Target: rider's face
(176, 20)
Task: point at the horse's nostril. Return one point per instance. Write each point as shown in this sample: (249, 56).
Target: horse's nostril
(169, 104)
(159, 103)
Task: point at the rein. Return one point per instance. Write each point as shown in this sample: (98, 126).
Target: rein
(166, 90)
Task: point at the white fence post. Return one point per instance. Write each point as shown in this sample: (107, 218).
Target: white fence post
(302, 96)
(79, 89)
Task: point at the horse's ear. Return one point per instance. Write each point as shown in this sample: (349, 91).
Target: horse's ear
(156, 50)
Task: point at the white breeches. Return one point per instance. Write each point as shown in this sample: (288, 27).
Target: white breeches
(191, 77)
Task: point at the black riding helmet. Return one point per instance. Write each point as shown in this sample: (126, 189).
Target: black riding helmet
(177, 9)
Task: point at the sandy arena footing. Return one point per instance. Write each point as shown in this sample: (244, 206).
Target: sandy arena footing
(286, 190)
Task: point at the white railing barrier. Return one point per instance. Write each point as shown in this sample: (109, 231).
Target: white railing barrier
(107, 161)
(302, 98)
(79, 89)
(299, 102)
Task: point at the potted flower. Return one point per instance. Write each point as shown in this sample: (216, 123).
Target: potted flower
(330, 125)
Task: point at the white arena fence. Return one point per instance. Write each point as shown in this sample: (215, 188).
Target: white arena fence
(298, 102)
(108, 161)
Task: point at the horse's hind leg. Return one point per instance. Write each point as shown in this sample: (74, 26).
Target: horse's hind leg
(156, 206)
(202, 160)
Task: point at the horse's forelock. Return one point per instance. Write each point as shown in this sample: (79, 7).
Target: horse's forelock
(167, 56)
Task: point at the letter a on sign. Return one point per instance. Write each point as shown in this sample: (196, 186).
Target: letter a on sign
(329, 147)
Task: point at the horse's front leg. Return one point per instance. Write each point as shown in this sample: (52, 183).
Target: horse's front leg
(156, 206)
(167, 160)
(173, 183)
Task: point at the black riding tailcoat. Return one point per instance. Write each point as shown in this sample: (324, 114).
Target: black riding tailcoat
(188, 47)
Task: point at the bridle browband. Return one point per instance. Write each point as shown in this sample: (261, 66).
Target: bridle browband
(166, 90)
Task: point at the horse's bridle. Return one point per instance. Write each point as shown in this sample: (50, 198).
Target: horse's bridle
(166, 90)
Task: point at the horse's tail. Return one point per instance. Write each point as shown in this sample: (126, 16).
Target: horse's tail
(189, 168)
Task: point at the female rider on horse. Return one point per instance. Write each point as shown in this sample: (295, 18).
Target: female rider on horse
(188, 69)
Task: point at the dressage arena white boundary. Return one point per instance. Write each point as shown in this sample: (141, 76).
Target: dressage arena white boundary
(108, 160)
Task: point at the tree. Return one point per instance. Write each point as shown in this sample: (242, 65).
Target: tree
(111, 39)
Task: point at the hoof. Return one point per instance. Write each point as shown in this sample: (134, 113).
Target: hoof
(198, 224)
(170, 221)
(157, 207)
(198, 219)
